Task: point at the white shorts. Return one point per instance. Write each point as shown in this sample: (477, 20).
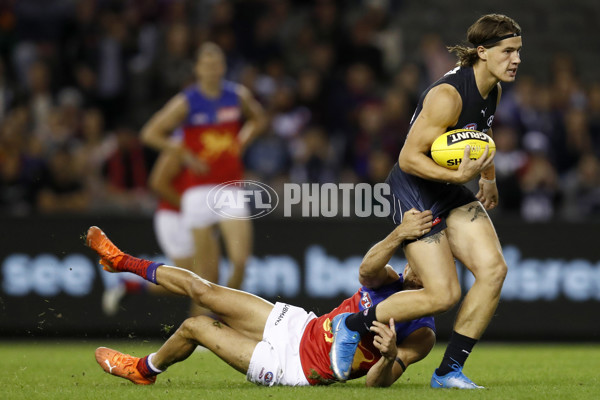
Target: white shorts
(201, 210)
(276, 360)
(174, 239)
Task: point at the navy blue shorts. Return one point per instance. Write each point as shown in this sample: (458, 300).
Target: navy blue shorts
(409, 191)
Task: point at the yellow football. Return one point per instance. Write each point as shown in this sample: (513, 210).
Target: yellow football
(448, 149)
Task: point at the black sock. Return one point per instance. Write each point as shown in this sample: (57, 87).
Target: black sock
(361, 321)
(459, 348)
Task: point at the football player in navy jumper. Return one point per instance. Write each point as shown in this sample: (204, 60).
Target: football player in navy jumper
(465, 98)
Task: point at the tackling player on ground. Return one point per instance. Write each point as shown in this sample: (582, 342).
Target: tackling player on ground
(466, 98)
(278, 344)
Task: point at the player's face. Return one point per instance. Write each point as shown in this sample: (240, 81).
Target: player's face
(503, 60)
(210, 67)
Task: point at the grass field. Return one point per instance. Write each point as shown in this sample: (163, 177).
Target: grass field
(67, 370)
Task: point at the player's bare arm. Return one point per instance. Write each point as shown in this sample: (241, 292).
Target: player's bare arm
(166, 167)
(374, 271)
(157, 130)
(256, 121)
(386, 371)
(441, 109)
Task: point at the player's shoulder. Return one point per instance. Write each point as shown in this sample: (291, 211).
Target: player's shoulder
(443, 97)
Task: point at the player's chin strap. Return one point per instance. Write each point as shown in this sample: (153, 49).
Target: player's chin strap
(494, 40)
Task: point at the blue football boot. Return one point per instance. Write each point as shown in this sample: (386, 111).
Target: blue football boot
(455, 379)
(343, 348)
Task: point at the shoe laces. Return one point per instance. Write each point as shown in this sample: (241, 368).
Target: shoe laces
(126, 361)
(456, 366)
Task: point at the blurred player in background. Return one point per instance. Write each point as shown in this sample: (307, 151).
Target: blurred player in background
(168, 179)
(465, 97)
(278, 344)
(218, 119)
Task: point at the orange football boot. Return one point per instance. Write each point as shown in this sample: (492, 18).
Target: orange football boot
(123, 365)
(110, 255)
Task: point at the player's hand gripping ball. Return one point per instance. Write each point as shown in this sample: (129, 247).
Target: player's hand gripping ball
(448, 149)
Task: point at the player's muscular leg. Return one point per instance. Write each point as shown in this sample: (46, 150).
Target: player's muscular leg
(187, 263)
(231, 346)
(237, 235)
(207, 254)
(432, 261)
(474, 242)
(242, 311)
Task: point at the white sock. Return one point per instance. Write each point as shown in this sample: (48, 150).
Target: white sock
(152, 367)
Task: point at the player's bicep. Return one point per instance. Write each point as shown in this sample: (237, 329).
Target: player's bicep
(441, 110)
(379, 277)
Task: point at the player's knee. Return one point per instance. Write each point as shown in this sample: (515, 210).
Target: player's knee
(494, 273)
(442, 300)
(191, 326)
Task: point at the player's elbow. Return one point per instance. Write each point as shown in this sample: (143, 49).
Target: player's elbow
(384, 383)
(406, 161)
(147, 135)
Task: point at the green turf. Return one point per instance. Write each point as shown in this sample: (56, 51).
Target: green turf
(49, 370)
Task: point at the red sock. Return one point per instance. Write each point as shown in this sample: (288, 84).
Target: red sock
(144, 268)
(144, 369)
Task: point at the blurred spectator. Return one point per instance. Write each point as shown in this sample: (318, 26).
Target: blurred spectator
(582, 189)
(115, 47)
(436, 58)
(287, 117)
(594, 116)
(126, 173)
(62, 189)
(91, 154)
(38, 94)
(360, 48)
(509, 161)
(410, 81)
(174, 67)
(539, 181)
(313, 158)
(6, 92)
(19, 180)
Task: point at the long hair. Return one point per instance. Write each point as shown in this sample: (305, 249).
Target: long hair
(487, 27)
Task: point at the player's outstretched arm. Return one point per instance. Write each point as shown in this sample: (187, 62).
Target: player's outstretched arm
(374, 271)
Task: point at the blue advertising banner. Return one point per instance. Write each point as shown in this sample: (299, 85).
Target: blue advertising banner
(51, 284)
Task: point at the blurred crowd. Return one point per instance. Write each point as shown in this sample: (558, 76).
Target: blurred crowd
(78, 79)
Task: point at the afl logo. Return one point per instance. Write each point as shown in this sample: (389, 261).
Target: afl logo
(472, 126)
(268, 377)
(242, 199)
(365, 300)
